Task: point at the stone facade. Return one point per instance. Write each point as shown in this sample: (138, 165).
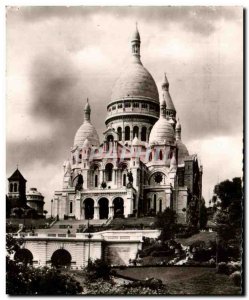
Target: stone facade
(116, 247)
(141, 166)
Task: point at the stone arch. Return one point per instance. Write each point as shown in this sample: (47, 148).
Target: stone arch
(118, 206)
(103, 204)
(23, 255)
(110, 138)
(135, 131)
(61, 258)
(88, 205)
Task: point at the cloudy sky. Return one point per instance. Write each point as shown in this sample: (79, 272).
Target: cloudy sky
(58, 56)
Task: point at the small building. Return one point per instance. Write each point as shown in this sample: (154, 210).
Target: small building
(35, 200)
(17, 190)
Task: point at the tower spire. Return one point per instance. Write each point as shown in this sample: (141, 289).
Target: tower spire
(165, 84)
(87, 111)
(135, 45)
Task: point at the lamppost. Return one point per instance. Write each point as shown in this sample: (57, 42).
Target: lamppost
(51, 207)
(89, 238)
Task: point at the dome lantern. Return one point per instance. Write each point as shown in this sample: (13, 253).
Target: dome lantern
(135, 45)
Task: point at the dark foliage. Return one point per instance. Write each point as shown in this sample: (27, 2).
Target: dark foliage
(166, 221)
(98, 269)
(23, 279)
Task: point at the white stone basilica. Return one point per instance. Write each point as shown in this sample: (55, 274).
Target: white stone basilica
(141, 166)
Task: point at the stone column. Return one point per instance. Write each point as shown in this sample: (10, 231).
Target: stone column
(115, 176)
(111, 211)
(96, 213)
(77, 208)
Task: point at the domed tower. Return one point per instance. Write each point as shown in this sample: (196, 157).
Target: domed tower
(86, 130)
(134, 106)
(170, 111)
(182, 149)
(162, 132)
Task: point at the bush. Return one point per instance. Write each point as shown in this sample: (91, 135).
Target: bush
(223, 268)
(162, 253)
(98, 269)
(236, 278)
(151, 283)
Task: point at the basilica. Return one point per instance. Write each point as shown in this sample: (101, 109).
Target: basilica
(141, 166)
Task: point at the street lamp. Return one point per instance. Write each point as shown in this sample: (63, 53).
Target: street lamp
(89, 237)
(51, 207)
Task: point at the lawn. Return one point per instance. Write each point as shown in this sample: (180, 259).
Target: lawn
(186, 280)
(201, 236)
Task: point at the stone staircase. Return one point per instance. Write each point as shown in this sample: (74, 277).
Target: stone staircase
(62, 226)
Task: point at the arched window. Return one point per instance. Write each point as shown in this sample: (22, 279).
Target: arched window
(154, 202)
(80, 156)
(127, 133)
(135, 131)
(71, 207)
(110, 138)
(161, 155)
(96, 180)
(143, 134)
(11, 187)
(119, 133)
(108, 170)
(124, 179)
(15, 187)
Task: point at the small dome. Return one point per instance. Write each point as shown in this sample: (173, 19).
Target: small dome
(86, 143)
(178, 125)
(135, 81)
(171, 121)
(135, 36)
(136, 141)
(182, 151)
(86, 131)
(68, 166)
(162, 132)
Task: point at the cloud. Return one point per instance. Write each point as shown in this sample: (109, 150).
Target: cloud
(199, 19)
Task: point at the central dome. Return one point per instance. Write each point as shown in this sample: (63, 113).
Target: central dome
(135, 81)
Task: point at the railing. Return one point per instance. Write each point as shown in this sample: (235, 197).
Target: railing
(129, 235)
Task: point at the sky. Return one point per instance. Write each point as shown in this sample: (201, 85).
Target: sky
(56, 57)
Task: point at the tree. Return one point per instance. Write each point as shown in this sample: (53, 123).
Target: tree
(228, 218)
(193, 212)
(23, 279)
(203, 215)
(167, 222)
(98, 269)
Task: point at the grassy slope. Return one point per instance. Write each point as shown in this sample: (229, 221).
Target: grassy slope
(201, 236)
(187, 280)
